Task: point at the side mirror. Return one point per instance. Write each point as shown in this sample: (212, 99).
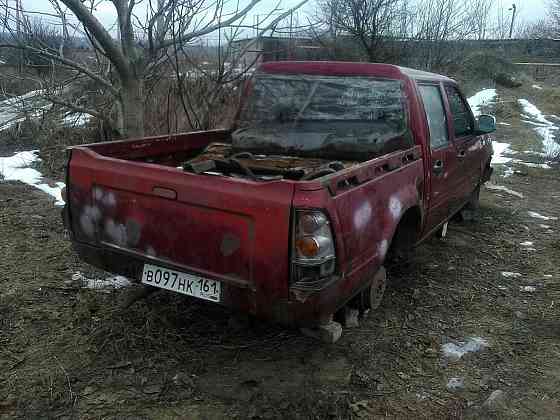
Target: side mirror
(485, 124)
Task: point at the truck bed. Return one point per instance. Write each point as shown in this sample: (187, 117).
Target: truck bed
(132, 202)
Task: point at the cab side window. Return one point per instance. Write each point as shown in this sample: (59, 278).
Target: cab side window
(462, 119)
(435, 113)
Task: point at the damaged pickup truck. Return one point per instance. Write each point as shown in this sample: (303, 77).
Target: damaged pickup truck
(330, 170)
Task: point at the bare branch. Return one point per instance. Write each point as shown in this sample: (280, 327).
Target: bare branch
(67, 62)
(104, 38)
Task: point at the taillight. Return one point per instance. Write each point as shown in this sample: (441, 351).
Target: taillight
(313, 253)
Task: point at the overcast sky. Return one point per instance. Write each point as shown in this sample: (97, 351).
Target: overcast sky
(528, 10)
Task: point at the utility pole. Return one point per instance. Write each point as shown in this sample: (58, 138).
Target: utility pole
(512, 19)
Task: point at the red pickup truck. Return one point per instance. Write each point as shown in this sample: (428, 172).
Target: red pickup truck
(329, 169)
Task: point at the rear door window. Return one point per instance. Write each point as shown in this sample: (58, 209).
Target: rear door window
(463, 123)
(435, 113)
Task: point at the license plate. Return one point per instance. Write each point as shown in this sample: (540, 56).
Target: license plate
(184, 283)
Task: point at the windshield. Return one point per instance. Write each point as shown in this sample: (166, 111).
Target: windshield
(323, 116)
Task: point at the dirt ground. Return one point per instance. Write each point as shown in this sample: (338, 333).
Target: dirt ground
(71, 352)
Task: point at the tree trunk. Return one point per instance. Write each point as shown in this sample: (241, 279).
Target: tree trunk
(131, 121)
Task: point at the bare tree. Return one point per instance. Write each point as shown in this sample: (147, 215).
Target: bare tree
(554, 17)
(436, 23)
(368, 22)
(149, 32)
(479, 14)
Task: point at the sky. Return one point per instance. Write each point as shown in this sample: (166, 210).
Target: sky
(528, 10)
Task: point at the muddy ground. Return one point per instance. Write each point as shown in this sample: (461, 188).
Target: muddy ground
(71, 352)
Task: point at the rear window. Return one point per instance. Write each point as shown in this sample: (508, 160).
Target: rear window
(324, 115)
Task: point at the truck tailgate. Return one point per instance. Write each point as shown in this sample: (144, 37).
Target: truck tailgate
(229, 229)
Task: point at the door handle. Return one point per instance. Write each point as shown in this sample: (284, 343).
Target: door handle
(438, 167)
(462, 154)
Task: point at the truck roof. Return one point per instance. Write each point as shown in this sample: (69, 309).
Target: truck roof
(345, 68)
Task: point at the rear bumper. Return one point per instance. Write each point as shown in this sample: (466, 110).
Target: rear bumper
(303, 309)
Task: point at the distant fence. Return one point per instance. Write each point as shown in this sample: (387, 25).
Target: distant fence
(403, 50)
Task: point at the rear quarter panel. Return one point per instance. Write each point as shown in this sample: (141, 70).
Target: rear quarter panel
(364, 217)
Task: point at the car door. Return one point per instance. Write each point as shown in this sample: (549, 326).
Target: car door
(442, 177)
(468, 145)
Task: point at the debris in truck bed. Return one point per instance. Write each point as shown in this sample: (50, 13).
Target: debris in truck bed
(220, 158)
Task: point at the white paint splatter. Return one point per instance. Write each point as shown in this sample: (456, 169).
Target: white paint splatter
(109, 200)
(97, 193)
(526, 243)
(456, 351)
(395, 207)
(537, 87)
(88, 219)
(16, 168)
(382, 248)
(362, 216)
(116, 232)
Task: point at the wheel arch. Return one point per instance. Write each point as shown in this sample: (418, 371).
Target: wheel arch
(407, 232)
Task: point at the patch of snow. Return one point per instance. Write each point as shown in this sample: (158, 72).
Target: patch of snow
(532, 152)
(17, 109)
(499, 150)
(510, 274)
(421, 396)
(482, 98)
(536, 215)
(508, 171)
(529, 289)
(537, 87)
(99, 284)
(504, 189)
(455, 384)
(456, 351)
(532, 165)
(16, 168)
(526, 243)
(76, 119)
(544, 127)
